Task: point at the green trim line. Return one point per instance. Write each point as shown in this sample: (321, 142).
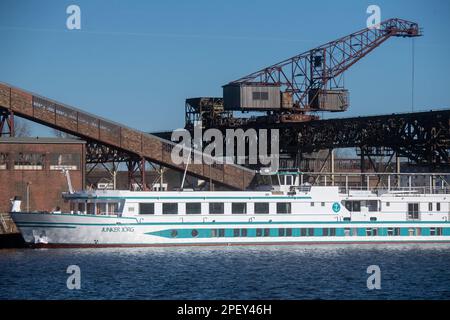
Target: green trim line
(367, 223)
(43, 226)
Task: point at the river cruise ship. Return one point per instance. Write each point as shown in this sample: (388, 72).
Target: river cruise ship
(290, 213)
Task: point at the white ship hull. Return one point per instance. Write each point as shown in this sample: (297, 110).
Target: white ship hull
(40, 229)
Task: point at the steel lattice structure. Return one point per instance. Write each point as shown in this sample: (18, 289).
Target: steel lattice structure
(322, 68)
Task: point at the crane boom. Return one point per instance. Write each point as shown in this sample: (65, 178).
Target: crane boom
(313, 80)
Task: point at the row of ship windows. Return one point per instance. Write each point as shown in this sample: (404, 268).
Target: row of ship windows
(308, 232)
(215, 208)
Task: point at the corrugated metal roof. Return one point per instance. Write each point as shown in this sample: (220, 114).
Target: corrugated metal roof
(43, 140)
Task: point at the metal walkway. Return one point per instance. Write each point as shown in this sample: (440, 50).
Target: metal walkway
(114, 135)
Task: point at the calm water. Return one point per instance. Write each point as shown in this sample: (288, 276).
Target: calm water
(272, 272)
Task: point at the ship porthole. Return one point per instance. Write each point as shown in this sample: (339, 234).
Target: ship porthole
(194, 233)
(174, 233)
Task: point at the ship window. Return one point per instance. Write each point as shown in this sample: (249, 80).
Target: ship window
(216, 208)
(113, 207)
(312, 204)
(347, 218)
(310, 232)
(289, 232)
(281, 232)
(347, 232)
(213, 233)
(371, 231)
(244, 232)
(372, 205)
(413, 211)
(90, 208)
(221, 232)
(283, 207)
(325, 232)
(101, 208)
(266, 232)
(259, 232)
(81, 207)
(238, 208)
(435, 231)
(236, 232)
(438, 206)
(146, 208)
(174, 233)
(170, 208)
(288, 180)
(388, 204)
(261, 207)
(430, 206)
(353, 206)
(373, 218)
(193, 208)
(194, 233)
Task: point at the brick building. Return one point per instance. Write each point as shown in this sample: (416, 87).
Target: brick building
(32, 169)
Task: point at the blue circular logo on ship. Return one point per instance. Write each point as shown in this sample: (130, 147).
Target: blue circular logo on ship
(336, 207)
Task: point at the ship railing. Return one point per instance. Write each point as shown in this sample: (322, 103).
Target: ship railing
(407, 182)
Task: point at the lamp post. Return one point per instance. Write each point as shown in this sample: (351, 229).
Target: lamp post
(28, 196)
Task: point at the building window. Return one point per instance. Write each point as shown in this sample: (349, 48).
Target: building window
(170, 208)
(3, 161)
(69, 161)
(146, 208)
(284, 207)
(261, 207)
(413, 211)
(216, 208)
(193, 208)
(239, 208)
(29, 161)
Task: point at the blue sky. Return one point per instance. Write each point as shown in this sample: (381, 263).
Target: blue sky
(136, 62)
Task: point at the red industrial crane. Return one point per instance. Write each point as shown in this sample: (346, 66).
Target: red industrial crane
(311, 81)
